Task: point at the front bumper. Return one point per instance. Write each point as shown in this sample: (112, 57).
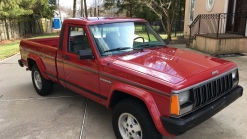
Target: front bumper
(178, 126)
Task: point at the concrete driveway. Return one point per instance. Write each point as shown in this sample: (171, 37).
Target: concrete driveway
(67, 115)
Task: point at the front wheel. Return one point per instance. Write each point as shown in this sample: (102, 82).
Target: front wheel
(42, 86)
(131, 120)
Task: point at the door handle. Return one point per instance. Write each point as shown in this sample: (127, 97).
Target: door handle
(65, 56)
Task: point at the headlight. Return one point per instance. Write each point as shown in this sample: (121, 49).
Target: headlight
(235, 77)
(179, 104)
(234, 74)
(184, 97)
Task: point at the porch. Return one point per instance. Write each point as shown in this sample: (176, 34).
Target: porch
(219, 33)
(223, 44)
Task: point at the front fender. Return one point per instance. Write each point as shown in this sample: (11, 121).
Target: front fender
(146, 97)
(39, 63)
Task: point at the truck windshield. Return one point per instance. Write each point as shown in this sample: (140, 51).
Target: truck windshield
(115, 38)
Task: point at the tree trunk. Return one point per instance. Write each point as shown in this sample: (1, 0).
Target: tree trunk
(74, 8)
(169, 30)
(131, 10)
(7, 29)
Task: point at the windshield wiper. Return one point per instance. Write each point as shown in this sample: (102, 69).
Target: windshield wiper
(118, 49)
(147, 46)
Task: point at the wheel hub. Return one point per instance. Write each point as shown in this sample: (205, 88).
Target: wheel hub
(37, 80)
(129, 127)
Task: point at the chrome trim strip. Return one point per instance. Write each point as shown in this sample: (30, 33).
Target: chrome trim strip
(134, 84)
(60, 60)
(40, 54)
(81, 67)
(78, 86)
(50, 74)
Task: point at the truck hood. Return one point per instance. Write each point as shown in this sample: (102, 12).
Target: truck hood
(172, 65)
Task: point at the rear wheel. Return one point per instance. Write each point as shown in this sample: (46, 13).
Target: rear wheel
(131, 120)
(42, 86)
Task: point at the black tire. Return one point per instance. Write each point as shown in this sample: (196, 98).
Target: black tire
(46, 86)
(141, 116)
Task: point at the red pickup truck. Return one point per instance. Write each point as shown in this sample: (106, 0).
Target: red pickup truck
(123, 64)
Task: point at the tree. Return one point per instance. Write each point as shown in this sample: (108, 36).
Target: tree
(122, 5)
(40, 8)
(142, 11)
(11, 9)
(166, 10)
(131, 8)
(16, 9)
(67, 10)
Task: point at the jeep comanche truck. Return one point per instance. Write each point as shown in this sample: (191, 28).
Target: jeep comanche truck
(123, 64)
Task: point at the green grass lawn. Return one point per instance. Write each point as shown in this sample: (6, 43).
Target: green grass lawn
(9, 49)
(164, 36)
(12, 48)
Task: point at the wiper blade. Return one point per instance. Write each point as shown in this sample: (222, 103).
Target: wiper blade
(147, 46)
(118, 49)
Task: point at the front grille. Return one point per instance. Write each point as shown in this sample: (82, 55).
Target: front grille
(210, 91)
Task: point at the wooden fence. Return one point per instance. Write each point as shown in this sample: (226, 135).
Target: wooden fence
(12, 30)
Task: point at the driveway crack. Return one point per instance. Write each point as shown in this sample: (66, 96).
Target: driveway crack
(84, 118)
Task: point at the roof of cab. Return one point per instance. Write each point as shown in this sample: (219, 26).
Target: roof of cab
(101, 20)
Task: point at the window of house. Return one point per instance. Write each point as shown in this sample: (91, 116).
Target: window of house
(192, 11)
(209, 5)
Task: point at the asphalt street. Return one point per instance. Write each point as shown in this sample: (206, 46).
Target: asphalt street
(66, 115)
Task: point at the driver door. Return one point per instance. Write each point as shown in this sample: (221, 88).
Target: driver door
(80, 75)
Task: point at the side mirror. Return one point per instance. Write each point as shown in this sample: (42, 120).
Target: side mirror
(85, 54)
(166, 41)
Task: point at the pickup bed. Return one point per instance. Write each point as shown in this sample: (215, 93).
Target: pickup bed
(123, 64)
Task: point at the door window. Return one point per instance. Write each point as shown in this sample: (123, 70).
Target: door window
(77, 40)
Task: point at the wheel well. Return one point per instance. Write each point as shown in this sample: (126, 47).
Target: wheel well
(30, 62)
(119, 96)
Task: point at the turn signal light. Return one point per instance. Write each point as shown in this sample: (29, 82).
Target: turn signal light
(175, 107)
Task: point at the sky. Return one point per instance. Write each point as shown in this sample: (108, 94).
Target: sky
(69, 4)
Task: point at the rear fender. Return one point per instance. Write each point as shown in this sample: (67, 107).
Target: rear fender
(39, 63)
(145, 97)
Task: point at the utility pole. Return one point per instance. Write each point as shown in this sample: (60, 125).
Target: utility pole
(74, 9)
(85, 4)
(59, 10)
(82, 9)
(95, 8)
(98, 11)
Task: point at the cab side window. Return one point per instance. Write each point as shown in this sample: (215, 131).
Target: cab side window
(77, 40)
